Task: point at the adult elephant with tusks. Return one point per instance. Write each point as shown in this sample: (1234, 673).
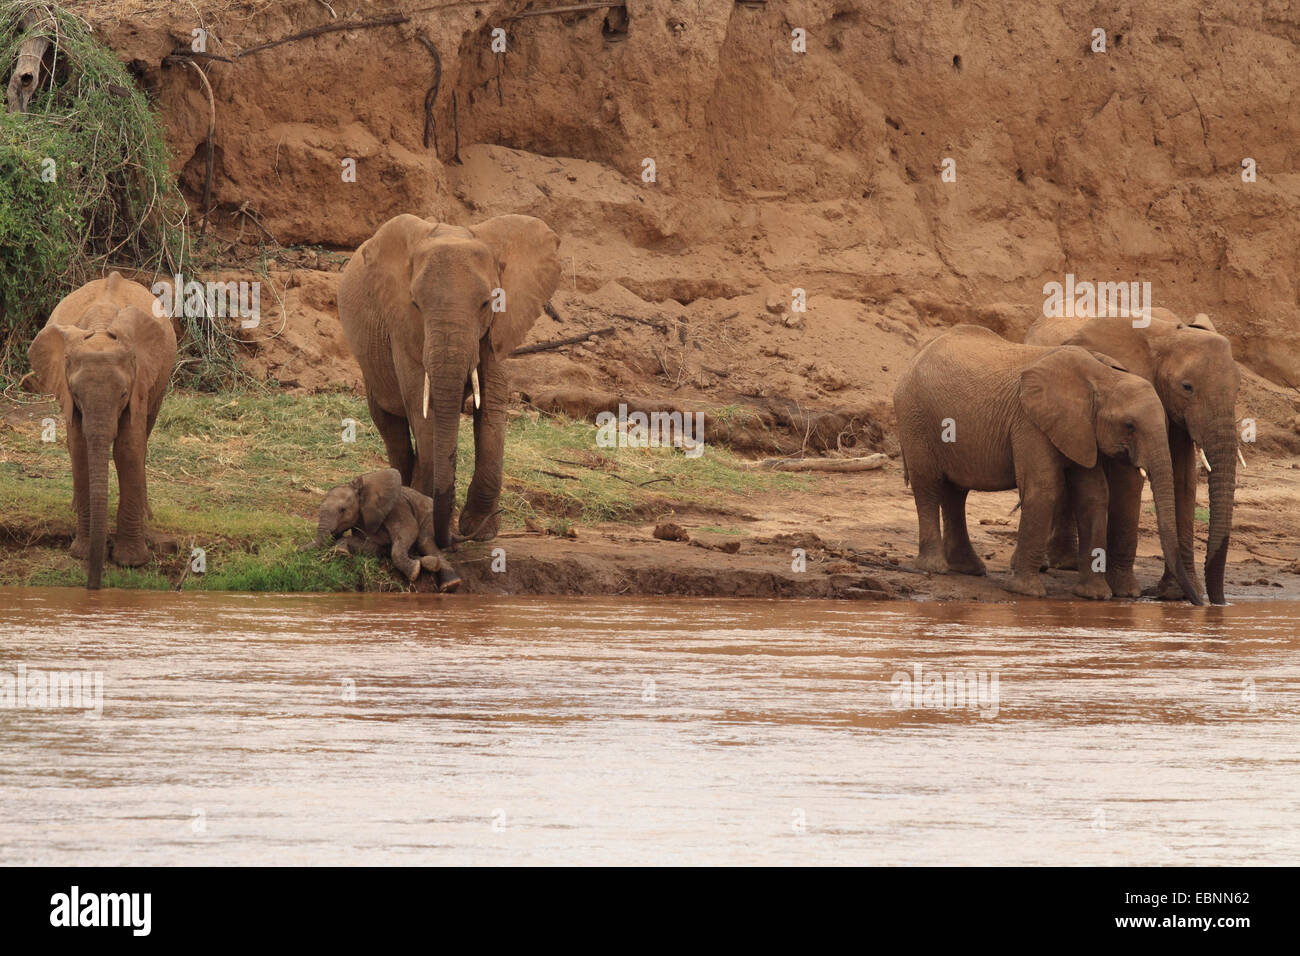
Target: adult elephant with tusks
(431, 311)
(1191, 366)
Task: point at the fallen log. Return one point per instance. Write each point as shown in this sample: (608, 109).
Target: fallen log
(557, 343)
(869, 463)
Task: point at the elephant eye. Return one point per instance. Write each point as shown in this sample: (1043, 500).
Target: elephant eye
(1130, 425)
(1187, 387)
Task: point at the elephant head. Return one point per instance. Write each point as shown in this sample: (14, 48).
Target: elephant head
(362, 503)
(26, 77)
(102, 376)
(473, 289)
(1084, 403)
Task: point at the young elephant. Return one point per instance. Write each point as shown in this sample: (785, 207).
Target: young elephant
(107, 358)
(381, 514)
(978, 413)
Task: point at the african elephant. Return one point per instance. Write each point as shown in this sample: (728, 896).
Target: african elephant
(107, 358)
(387, 515)
(26, 77)
(1192, 369)
(978, 413)
(431, 311)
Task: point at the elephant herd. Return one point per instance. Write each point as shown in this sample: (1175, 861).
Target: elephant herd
(1076, 419)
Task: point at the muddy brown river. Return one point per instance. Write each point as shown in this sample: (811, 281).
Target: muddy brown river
(355, 729)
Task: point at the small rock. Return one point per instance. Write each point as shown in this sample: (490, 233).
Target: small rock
(775, 306)
(792, 320)
(667, 531)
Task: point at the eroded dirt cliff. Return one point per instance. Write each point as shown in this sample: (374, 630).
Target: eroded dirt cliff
(774, 170)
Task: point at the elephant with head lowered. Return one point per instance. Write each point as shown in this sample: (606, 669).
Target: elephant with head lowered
(431, 311)
(978, 413)
(107, 358)
(1192, 369)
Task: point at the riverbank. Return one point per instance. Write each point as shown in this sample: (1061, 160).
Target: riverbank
(240, 476)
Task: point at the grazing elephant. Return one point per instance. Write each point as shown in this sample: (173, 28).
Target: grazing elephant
(431, 311)
(107, 358)
(26, 77)
(381, 513)
(1192, 369)
(978, 413)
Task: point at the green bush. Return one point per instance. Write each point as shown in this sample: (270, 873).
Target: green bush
(112, 201)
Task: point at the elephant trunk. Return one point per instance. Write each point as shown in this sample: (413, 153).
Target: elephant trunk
(1221, 453)
(97, 455)
(447, 392)
(324, 535)
(1160, 473)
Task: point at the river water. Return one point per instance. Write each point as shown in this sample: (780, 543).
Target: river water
(359, 729)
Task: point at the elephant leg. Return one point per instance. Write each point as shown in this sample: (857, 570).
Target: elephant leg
(1090, 498)
(1038, 497)
(396, 435)
(129, 546)
(1063, 543)
(1184, 463)
(957, 549)
(80, 491)
(927, 493)
(1125, 493)
(403, 538)
(478, 519)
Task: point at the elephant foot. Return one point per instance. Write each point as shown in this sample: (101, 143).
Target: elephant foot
(80, 548)
(933, 563)
(448, 580)
(479, 526)
(1026, 584)
(1093, 588)
(967, 564)
(1168, 589)
(130, 553)
(1123, 583)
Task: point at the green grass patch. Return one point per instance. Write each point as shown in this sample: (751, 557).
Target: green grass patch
(241, 476)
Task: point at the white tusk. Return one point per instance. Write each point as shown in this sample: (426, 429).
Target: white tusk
(1143, 473)
(473, 380)
(426, 394)
(1204, 461)
(1240, 457)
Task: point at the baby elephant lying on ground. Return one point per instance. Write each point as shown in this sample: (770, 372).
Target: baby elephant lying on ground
(381, 514)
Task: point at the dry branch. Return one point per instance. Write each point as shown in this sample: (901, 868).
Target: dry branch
(557, 343)
(869, 463)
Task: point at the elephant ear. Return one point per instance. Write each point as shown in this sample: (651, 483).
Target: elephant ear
(1105, 359)
(525, 250)
(1057, 394)
(48, 353)
(153, 344)
(377, 492)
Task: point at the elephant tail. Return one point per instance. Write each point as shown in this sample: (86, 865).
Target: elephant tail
(907, 479)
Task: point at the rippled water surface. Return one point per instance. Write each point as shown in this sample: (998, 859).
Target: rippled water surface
(647, 731)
